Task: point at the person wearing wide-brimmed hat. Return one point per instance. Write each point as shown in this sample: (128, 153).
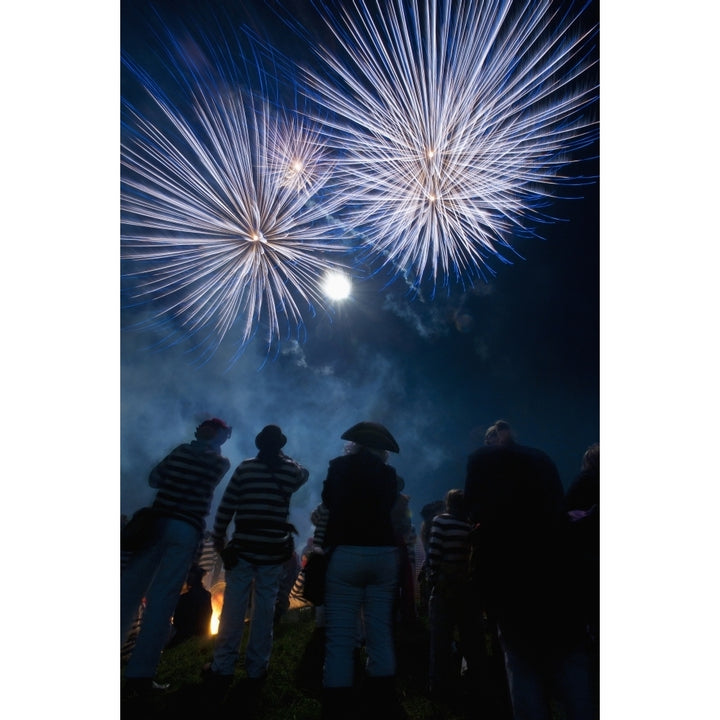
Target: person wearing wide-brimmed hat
(359, 493)
(258, 498)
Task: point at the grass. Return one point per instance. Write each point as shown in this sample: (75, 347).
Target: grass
(293, 687)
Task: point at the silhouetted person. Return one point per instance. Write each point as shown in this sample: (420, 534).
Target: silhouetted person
(584, 491)
(427, 513)
(288, 578)
(194, 609)
(316, 543)
(258, 499)
(582, 502)
(514, 494)
(359, 492)
(405, 537)
(453, 611)
(185, 482)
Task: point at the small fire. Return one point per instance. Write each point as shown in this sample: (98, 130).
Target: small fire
(217, 593)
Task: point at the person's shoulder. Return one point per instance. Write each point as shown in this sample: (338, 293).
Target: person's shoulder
(540, 457)
(290, 460)
(486, 452)
(480, 451)
(530, 450)
(340, 461)
(248, 464)
(295, 466)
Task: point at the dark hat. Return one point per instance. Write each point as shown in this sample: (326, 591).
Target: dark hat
(371, 435)
(270, 438)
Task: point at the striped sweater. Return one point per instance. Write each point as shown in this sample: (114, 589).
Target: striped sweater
(448, 550)
(186, 480)
(258, 499)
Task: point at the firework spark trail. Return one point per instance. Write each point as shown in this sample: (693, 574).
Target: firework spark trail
(224, 205)
(455, 122)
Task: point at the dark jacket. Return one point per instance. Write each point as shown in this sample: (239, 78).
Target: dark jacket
(521, 557)
(584, 491)
(193, 614)
(359, 492)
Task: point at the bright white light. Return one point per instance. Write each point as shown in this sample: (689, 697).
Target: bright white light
(337, 286)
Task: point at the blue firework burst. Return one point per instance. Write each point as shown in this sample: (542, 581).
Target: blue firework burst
(225, 197)
(456, 123)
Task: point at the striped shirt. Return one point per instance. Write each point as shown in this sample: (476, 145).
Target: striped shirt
(186, 480)
(448, 549)
(259, 500)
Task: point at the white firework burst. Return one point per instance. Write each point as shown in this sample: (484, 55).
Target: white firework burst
(224, 207)
(454, 122)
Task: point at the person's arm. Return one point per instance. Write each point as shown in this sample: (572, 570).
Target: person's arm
(225, 512)
(156, 479)
(304, 474)
(319, 519)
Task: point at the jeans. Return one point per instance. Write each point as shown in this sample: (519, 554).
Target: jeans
(239, 581)
(359, 578)
(156, 573)
(536, 676)
(448, 613)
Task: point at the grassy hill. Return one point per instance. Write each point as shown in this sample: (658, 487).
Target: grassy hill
(292, 690)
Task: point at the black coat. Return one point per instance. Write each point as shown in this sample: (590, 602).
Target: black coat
(522, 559)
(359, 492)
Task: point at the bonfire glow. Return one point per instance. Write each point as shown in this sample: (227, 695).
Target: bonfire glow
(217, 597)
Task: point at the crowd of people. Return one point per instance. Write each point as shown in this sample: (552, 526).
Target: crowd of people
(508, 590)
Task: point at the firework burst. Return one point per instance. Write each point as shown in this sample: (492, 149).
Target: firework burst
(224, 202)
(455, 122)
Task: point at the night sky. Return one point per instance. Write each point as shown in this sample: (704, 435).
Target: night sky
(523, 346)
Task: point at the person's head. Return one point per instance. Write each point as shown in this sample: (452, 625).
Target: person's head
(432, 509)
(455, 502)
(499, 433)
(195, 575)
(270, 440)
(370, 436)
(213, 432)
(351, 448)
(591, 459)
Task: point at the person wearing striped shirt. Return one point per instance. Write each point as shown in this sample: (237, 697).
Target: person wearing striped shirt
(258, 499)
(451, 610)
(185, 480)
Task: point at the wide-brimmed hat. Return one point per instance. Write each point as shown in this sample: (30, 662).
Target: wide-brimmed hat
(270, 438)
(371, 435)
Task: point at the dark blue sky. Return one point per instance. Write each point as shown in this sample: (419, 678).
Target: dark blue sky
(524, 347)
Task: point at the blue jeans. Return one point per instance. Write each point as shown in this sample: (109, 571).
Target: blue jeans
(534, 677)
(157, 574)
(359, 579)
(239, 581)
